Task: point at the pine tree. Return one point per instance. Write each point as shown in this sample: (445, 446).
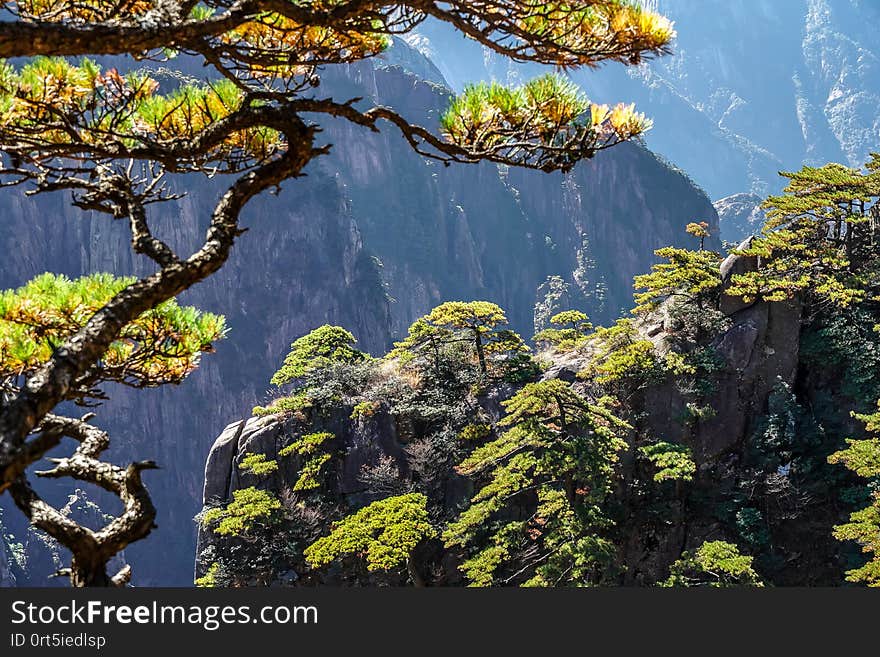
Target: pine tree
(161, 346)
(479, 320)
(863, 458)
(820, 238)
(563, 450)
(111, 138)
(385, 533)
(689, 277)
(715, 564)
(569, 328)
(320, 348)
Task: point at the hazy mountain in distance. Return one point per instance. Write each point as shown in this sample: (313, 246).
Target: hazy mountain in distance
(753, 87)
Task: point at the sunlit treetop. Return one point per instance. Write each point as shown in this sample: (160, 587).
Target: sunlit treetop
(161, 346)
(565, 34)
(547, 122)
(863, 458)
(700, 230)
(478, 322)
(563, 448)
(319, 348)
(819, 239)
(385, 533)
(569, 329)
(688, 276)
(478, 316)
(55, 107)
(715, 564)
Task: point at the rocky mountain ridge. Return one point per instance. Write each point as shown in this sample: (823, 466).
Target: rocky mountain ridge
(752, 482)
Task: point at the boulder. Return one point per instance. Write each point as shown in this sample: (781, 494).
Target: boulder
(761, 350)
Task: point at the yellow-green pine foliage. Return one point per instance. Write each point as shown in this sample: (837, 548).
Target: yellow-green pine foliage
(623, 29)
(545, 123)
(569, 329)
(621, 355)
(481, 317)
(713, 564)
(249, 507)
(688, 276)
(103, 107)
(309, 474)
(364, 410)
(482, 321)
(209, 579)
(818, 238)
(672, 461)
(320, 348)
(297, 402)
(562, 447)
(700, 230)
(475, 432)
(384, 534)
(546, 112)
(258, 464)
(161, 346)
(863, 458)
(309, 446)
(421, 336)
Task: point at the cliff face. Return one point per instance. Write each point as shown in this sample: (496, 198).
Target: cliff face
(373, 238)
(7, 577)
(753, 87)
(761, 477)
(474, 232)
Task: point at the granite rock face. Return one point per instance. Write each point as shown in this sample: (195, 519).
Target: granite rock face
(759, 351)
(731, 266)
(373, 238)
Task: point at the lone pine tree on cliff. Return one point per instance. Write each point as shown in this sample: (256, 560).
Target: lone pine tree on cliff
(115, 139)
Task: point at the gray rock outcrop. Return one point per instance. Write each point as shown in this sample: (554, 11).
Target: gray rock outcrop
(759, 352)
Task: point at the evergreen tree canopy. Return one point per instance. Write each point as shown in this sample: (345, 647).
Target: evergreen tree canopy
(716, 564)
(863, 458)
(819, 239)
(688, 276)
(249, 506)
(161, 346)
(563, 449)
(323, 346)
(673, 462)
(385, 533)
(477, 325)
(480, 321)
(568, 329)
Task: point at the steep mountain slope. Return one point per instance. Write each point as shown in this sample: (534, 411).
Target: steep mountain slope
(371, 239)
(767, 399)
